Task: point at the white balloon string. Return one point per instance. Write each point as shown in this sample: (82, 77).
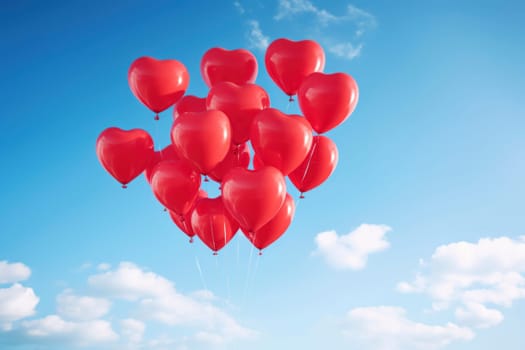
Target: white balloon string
(310, 158)
(248, 272)
(197, 263)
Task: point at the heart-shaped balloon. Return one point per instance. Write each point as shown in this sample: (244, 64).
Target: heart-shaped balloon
(236, 66)
(167, 153)
(237, 156)
(189, 103)
(158, 84)
(176, 185)
(240, 103)
(184, 222)
(289, 62)
(124, 153)
(253, 197)
(203, 138)
(318, 165)
(281, 140)
(212, 223)
(276, 227)
(257, 162)
(327, 99)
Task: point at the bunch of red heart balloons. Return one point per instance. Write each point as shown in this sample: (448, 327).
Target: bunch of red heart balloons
(210, 137)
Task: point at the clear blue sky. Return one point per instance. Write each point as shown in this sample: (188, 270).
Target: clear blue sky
(435, 151)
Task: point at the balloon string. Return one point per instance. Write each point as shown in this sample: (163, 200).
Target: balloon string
(248, 272)
(200, 272)
(212, 235)
(309, 161)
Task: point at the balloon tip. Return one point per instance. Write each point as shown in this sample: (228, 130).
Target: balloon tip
(124, 186)
(301, 196)
(215, 253)
(165, 209)
(191, 239)
(291, 98)
(260, 252)
(156, 117)
(206, 178)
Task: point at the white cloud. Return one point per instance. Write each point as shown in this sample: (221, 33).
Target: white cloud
(478, 315)
(81, 308)
(150, 298)
(472, 275)
(13, 272)
(159, 301)
(54, 329)
(16, 302)
(132, 330)
(346, 50)
(130, 282)
(351, 251)
(388, 328)
(256, 38)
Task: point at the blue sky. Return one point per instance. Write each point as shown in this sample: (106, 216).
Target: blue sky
(415, 242)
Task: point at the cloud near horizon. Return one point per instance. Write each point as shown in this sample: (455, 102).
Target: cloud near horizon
(90, 319)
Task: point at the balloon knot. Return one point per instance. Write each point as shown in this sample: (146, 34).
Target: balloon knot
(215, 253)
(301, 196)
(260, 252)
(191, 239)
(291, 99)
(206, 178)
(124, 186)
(156, 117)
(165, 209)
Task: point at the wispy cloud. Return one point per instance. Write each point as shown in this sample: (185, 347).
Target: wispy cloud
(239, 7)
(325, 24)
(470, 276)
(351, 251)
(346, 50)
(388, 328)
(256, 38)
(290, 8)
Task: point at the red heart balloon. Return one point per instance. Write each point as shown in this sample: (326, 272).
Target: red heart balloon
(327, 99)
(176, 185)
(289, 62)
(257, 162)
(276, 227)
(203, 138)
(212, 223)
(167, 153)
(240, 103)
(236, 66)
(318, 165)
(253, 197)
(189, 103)
(158, 84)
(237, 156)
(281, 140)
(184, 222)
(124, 154)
